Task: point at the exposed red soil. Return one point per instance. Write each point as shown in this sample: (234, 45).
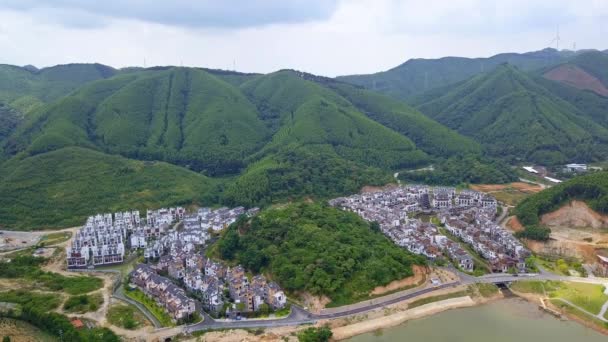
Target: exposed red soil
(576, 77)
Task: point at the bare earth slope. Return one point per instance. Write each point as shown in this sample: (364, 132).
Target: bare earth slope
(575, 214)
(576, 77)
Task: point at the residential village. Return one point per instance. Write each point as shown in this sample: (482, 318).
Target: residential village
(183, 281)
(468, 215)
(178, 276)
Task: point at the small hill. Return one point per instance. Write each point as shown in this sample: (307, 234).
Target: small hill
(61, 188)
(421, 75)
(27, 88)
(181, 115)
(310, 247)
(591, 189)
(303, 112)
(516, 118)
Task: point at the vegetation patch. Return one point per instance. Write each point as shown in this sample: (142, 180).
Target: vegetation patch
(28, 268)
(468, 169)
(314, 334)
(36, 194)
(54, 238)
(83, 303)
(126, 316)
(315, 248)
(161, 315)
(590, 297)
(485, 290)
(40, 301)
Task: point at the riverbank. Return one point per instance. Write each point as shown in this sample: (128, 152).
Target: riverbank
(569, 313)
(349, 331)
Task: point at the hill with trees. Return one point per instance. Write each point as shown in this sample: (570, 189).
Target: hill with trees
(311, 247)
(515, 118)
(417, 76)
(591, 188)
(61, 188)
(263, 138)
(27, 88)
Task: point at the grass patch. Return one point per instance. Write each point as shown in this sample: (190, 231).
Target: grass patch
(537, 287)
(590, 297)
(54, 238)
(157, 311)
(485, 290)
(561, 266)
(432, 299)
(83, 303)
(28, 268)
(569, 309)
(19, 330)
(40, 301)
(126, 316)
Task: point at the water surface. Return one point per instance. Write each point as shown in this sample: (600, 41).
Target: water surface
(506, 320)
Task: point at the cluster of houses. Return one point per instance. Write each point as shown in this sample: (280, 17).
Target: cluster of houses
(196, 232)
(221, 289)
(164, 292)
(476, 227)
(103, 240)
(394, 210)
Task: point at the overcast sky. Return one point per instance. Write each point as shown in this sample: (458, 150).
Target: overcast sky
(326, 37)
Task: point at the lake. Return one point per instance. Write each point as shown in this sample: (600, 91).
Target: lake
(506, 320)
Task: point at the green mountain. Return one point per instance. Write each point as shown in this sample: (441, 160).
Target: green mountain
(514, 117)
(591, 188)
(420, 75)
(265, 138)
(9, 120)
(318, 249)
(28, 88)
(61, 188)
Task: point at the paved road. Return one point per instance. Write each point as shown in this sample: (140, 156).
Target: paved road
(120, 295)
(300, 316)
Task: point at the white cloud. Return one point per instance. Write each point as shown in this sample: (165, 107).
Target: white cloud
(360, 36)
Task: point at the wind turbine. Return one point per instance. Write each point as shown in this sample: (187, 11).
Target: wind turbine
(556, 40)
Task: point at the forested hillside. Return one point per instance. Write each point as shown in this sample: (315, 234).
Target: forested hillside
(420, 75)
(592, 188)
(263, 138)
(318, 249)
(517, 119)
(28, 88)
(61, 188)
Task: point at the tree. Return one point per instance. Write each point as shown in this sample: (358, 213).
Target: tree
(6, 339)
(322, 334)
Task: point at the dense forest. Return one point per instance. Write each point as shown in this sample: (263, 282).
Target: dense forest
(225, 138)
(591, 188)
(468, 169)
(419, 75)
(80, 138)
(516, 119)
(316, 248)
